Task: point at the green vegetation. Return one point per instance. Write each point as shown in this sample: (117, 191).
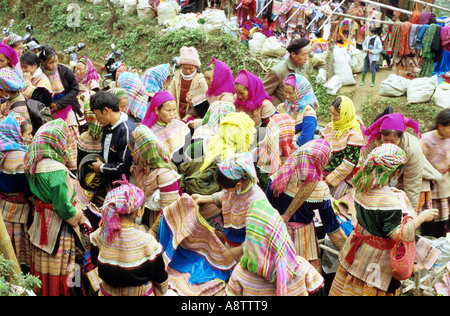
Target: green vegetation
(19, 283)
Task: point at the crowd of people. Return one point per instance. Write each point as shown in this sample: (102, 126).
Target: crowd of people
(205, 182)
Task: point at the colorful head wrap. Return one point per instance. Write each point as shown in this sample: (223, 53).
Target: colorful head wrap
(149, 153)
(236, 134)
(347, 119)
(155, 79)
(138, 96)
(305, 165)
(94, 127)
(394, 121)
(10, 53)
(268, 250)
(10, 135)
(50, 141)
(122, 200)
(217, 111)
(157, 100)
(239, 166)
(378, 167)
(120, 93)
(303, 94)
(12, 39)
(279, 140)
(256, 92)
(11, 80)
(91, 72)
(223, 79)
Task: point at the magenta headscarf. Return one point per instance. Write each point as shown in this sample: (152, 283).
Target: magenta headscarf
(10, 53)
(394, 121)
(256, 92)
(91, 72)
(157, 100)
(223, 79)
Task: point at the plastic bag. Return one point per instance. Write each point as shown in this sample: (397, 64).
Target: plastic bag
(333, 85)
(442, 95)
(357, 61)
(273, 48)
(144, 10)
(321, 76)
(167, 11)
(130, 7)
(342, 67)
(256, 43)
(394, 86)
(214, 20)
(421, 89)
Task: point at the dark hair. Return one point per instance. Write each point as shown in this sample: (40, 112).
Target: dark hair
(296, 45)
(387, 132)
(373, 30)
(443, 118)
(388, 110)
(46, 53)
(337, 104)
(30, 58)
(24, 125)
(102, 100)
(223, 181)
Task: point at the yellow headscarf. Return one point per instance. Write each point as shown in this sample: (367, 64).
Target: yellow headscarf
(235, 134)
(347, 119)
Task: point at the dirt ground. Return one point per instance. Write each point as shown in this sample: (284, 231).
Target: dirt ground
(361, 93)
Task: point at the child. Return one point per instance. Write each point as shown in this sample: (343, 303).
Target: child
(117, 130)
(372, 46)
(129, 260)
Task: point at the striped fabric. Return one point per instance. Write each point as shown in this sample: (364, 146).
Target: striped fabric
(138, 96)
(379, 165)
(268, 250)
(304, 238)
(347, 119)
(303, 166)
(190, 242)
(10, 136)
(48, 142)
(149, 152)
(38, 80)
(437, 150)
(303, 95)
(179, 282)
(278, 142)
(91, 73)
(144, 290)
(245, 283)
(155, 79)
(172, 135)
(133, 248)
(217, 111)
(11, 80)
(235, 207)
(265, 111)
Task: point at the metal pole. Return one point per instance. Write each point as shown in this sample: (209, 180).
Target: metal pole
(326, 21)
(313, 19)
(362, 18)
(264, 8)
(432, 5)
(388, 7)
(304, 3)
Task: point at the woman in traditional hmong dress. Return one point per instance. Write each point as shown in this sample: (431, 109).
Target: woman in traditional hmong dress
(173, 133)
(197, 261)
(301, 104)
(344, 135)
(276, 147)
(15, 134)
(269, 265)
(220, 80)
(54, 233)
(64, 103)
(15, 42)
(418, 174)
(87, 75)
(379, 215)
(138, 101)
(436, 148)
(89, 141)
(217, 111)
(296, 190)
(153, 172)
(157, 78)
(11, 85)
(235, 134)
(252, 98)
(130, 261)
(38, 86)
(237, 178)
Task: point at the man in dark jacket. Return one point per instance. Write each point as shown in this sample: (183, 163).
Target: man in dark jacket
(117, 130)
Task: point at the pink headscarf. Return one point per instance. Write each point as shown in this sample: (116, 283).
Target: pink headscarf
(394, 121)
(157, 100)
(10, 53)
(256, 92)
(223, 80)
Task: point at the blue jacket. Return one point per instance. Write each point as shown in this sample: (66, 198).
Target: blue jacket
(376, 50)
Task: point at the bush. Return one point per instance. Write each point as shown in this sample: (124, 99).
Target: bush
(19, 285)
